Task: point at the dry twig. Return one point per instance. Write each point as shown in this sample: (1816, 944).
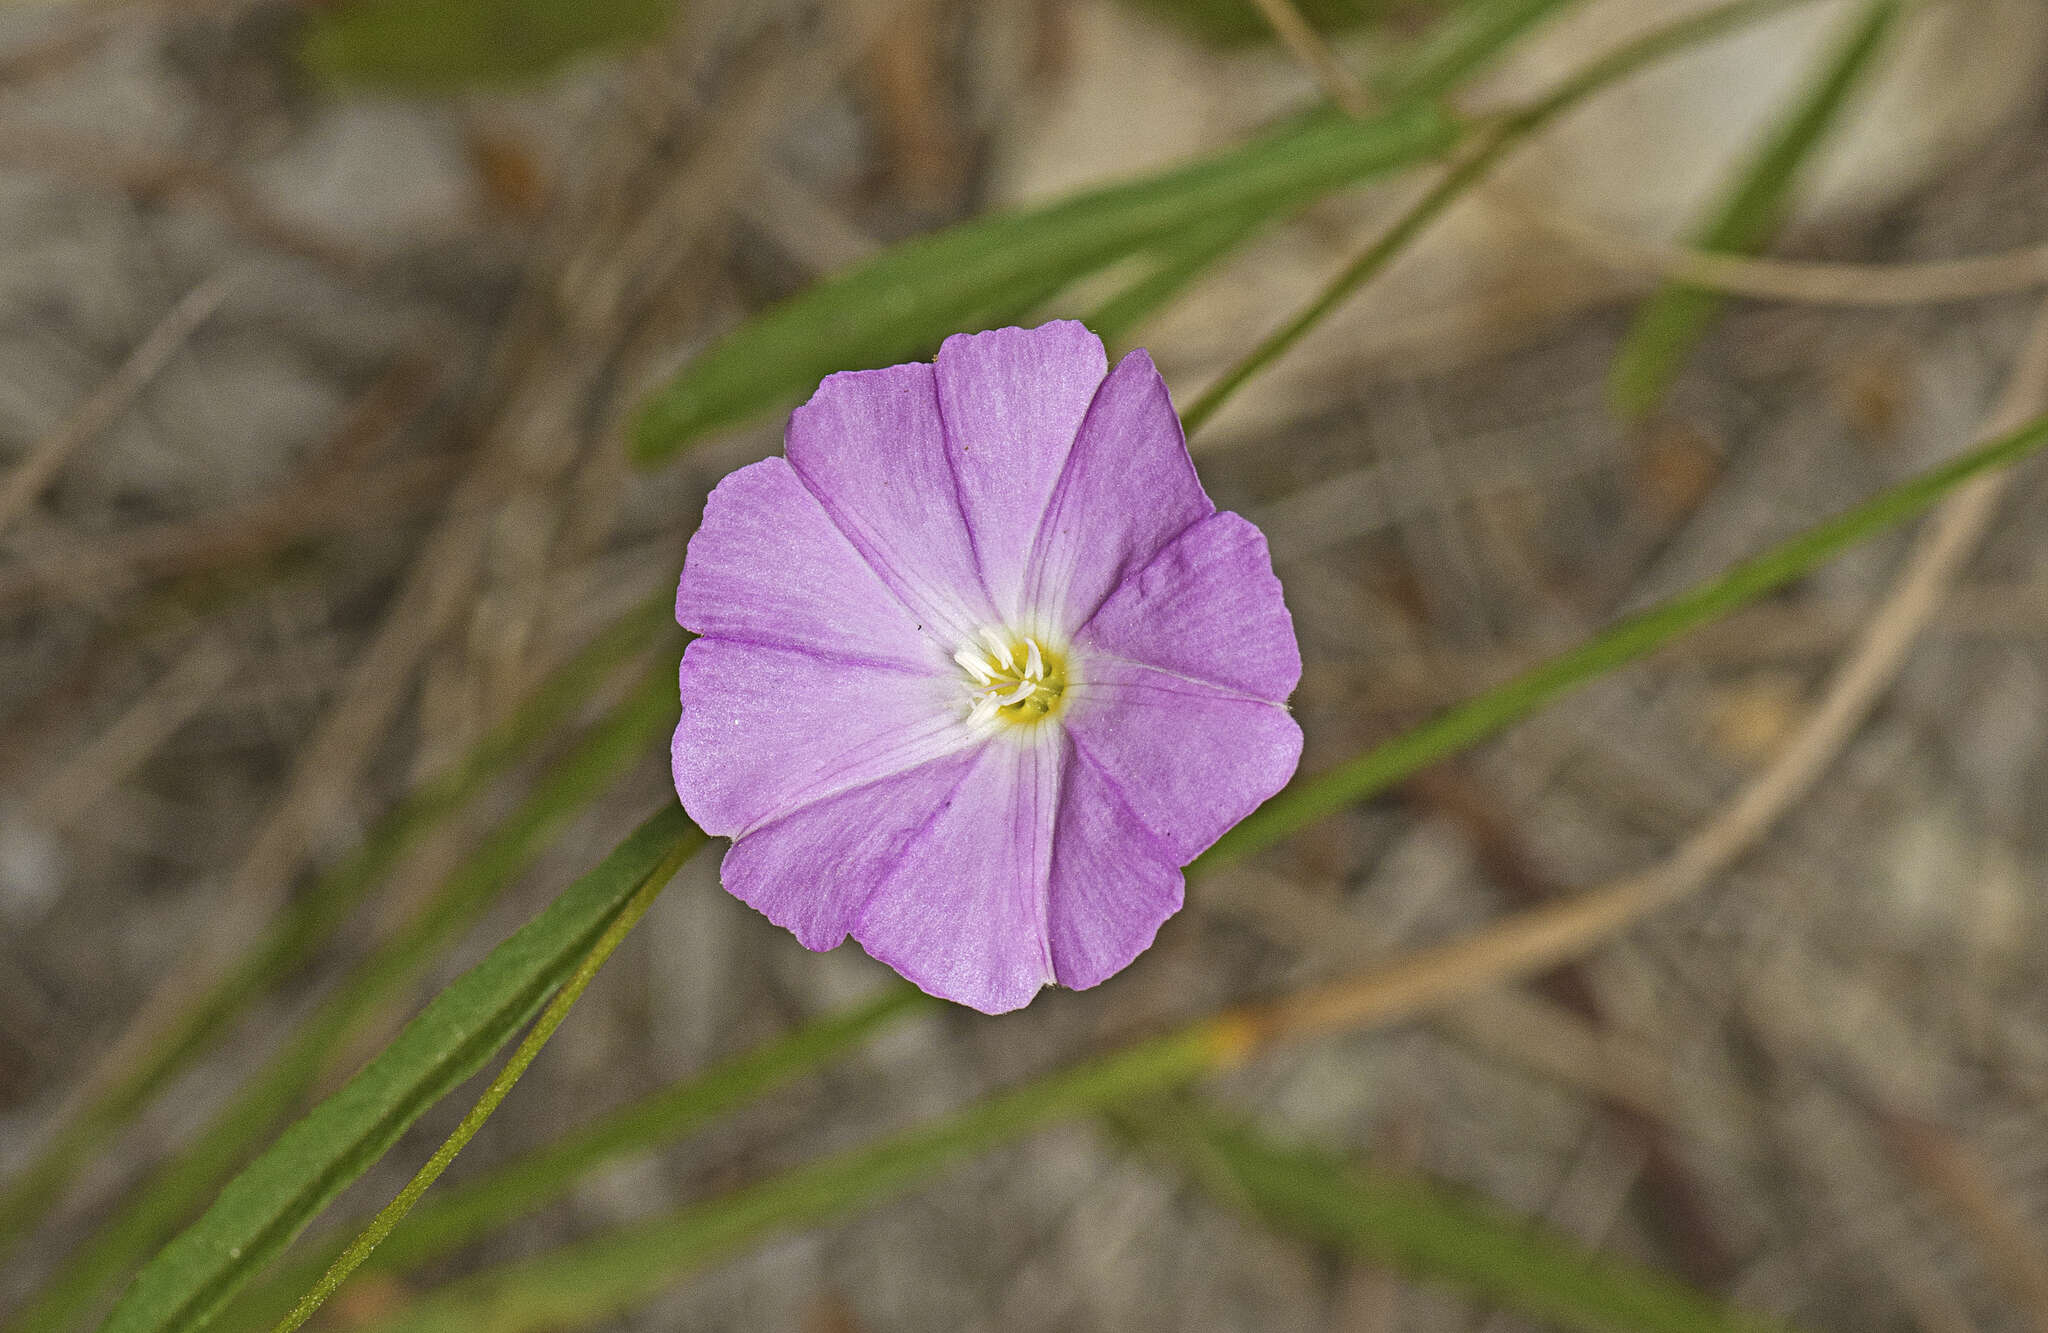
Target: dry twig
(1926, 282)
(154, 176)
(1313, 54)
(106, 403)
(1953, 1172)
(137, 734)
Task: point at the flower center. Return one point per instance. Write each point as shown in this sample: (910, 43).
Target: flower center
(1011, 678)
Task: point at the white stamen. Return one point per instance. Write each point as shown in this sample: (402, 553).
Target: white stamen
(973, 664)
(1006, 670)
(999, 648)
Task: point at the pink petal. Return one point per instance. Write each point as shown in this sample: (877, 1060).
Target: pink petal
(813, 870)
(870, 446)
(1113, 882)
(1012, 401)
(1190, 758)
(768, 565)
(962, 915)
(1129, 488)
(1207, 607)
(765, 730)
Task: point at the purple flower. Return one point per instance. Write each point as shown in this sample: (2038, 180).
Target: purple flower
(981, 667)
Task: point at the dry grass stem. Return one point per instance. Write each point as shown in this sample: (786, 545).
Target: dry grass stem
(238, 535)
(69, 795)
(105, 404)
(1313, 54)
(1950, 1170)
(1518, 1028)
(155, 176)
(1927, 282)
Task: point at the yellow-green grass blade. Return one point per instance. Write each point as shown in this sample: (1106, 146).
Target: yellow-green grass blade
(544, 1028)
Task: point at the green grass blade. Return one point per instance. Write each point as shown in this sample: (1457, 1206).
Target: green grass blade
(544, 1029)
(167, 1200)
(1626, 641)
(1672, 321)
(1423, 1230)
(264, 1206)
(586, 1283)
(456, 1217)
(316, 913)
(900, 304)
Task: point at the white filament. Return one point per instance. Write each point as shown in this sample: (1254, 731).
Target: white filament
(999, 648)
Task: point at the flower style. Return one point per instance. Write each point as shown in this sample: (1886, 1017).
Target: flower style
(981, 667)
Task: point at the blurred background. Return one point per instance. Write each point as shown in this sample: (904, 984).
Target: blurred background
(320, 323)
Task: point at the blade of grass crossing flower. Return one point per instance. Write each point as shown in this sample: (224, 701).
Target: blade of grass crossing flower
(453, 1037)
(543, 1030)
(1626, 641)
(1494, 143)
(1672, 321)
(317, 912)
(1423, 1230)
(155, 1210)
(447, 1221)
(585, 1283)
(597, 1278)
